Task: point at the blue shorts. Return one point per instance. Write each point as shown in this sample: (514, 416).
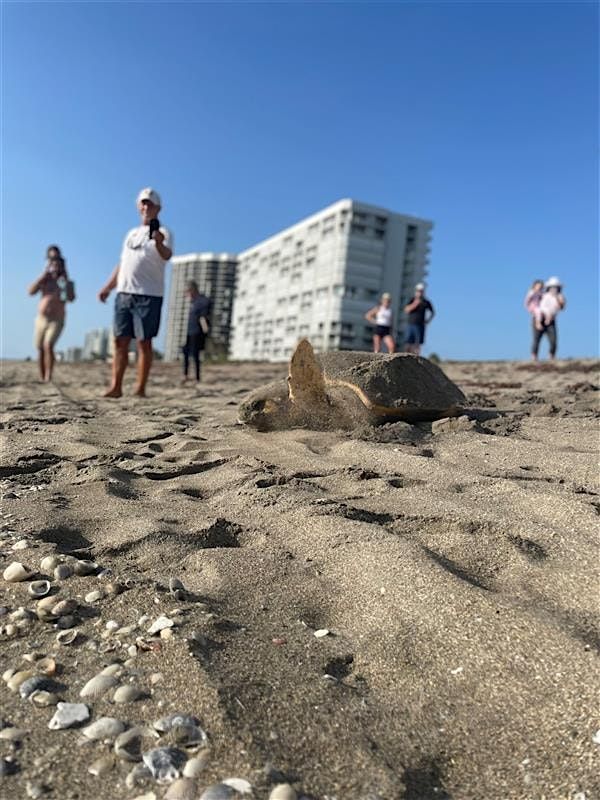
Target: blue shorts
(415, 333)
(136, 316)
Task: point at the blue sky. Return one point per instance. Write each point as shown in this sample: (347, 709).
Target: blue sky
(482, 117)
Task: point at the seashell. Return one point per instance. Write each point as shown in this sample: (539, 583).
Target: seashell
(23, 624)
(68, 715)
(218, 791)
(108, 647)
(37, 683)
(113, 588)
(182, 789)
(62, 572)
(177, 589)
(283, 792)
(101, 766)
(64, 607)
(239, 785)
(132, 651)
(17, 679)
(196, 765)
(9, 630)
(16, 572)
(165, 724)
(48, 564)
(22, 544)
(166, 633)
(67, 637)
(128, 694)
(188, 736)
(46, 665)
(13, 734)
(112, 625)
(39, 588)
(7, 674)
(93, 597)
(165, 763)
(104, 728)
(113, 669)
(97, 686)
(138, 774)
(322, 632)
(128, 746)
(84, 567)
(64, 623)
(146, 796)
(43, 699)
(160, 624)
(21, 614)
(126, 630)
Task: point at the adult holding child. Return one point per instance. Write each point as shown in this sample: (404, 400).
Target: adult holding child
(139, 279)
(551, 304)
(56, 290)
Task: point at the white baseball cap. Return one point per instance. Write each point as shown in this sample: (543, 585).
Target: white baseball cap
(149, 194)
(554, 281)
(420, 287)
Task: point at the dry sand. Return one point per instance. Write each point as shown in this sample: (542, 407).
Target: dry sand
(457, 574)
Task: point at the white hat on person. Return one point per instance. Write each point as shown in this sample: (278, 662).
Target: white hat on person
(149, 194)
(420, 287)
(554, 281)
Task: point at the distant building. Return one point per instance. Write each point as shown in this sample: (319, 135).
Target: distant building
(215, 275)
(96, 344)
(320, 276)
(73, 354)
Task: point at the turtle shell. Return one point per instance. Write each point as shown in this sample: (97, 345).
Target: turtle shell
(402, 385)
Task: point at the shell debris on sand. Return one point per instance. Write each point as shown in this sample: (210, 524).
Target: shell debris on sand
(98, 685)
(165, 763)
(105, 728)
(69, 715)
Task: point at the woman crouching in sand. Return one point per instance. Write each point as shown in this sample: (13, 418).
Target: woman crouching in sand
(56, 289)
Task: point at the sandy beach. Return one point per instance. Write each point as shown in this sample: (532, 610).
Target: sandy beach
(452, 578)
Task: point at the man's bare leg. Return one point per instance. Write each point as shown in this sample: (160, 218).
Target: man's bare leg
(119, 364)
(144, 348)
(42, 363)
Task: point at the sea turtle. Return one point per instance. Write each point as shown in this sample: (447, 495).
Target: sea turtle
(348, 389)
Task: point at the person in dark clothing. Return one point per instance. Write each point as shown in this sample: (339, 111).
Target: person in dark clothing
(197, 329)
(418, 317)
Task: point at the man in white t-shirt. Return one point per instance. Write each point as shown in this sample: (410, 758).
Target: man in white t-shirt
(139, 279)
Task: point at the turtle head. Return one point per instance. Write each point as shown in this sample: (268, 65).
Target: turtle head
(266, 408)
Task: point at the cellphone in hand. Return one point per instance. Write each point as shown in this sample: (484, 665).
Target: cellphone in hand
(154, 226)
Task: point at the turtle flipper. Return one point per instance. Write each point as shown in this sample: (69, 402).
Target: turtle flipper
(306, 383)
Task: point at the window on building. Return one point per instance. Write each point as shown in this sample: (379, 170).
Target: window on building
(358, 228)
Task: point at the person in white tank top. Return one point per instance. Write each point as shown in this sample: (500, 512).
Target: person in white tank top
(381, 317)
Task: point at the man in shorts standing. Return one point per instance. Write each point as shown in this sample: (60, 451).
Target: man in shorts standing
(418, 317)
(139, 279)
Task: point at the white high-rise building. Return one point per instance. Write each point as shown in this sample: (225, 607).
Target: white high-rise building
(319, 277)
(215, 275)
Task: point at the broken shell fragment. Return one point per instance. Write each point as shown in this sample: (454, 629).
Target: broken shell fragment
(101, 766)
(84, 567)
(37, 683)
(182, 789)
(43, 699)
(165, 763)
(160, 624)
(68, 715)
(62, 572)
(196, 765)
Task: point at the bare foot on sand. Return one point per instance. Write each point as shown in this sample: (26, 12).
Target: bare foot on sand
(139, 393)
(112, 393)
